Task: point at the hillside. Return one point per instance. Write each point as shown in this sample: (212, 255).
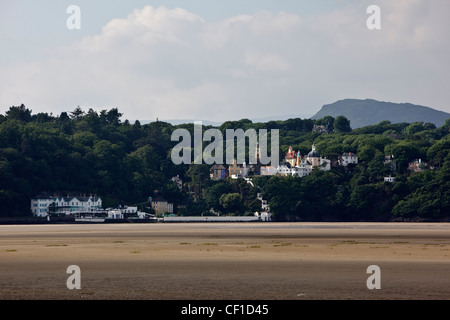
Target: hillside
(82, 152)
(369, 112)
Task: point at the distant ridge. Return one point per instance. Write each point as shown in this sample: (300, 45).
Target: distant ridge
(217, 123)
(367, 112)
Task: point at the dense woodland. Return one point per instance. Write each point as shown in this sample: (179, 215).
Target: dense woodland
(89, 152)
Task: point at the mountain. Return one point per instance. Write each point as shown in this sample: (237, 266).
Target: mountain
(369, 112)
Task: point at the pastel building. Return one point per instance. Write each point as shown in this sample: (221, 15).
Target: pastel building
(297, 165)
(217, 172)
(160, 205)
(316, 160)
(235, 170)
(291, 157)
(417, 165)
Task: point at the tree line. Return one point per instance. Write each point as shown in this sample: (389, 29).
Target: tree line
(90, 152)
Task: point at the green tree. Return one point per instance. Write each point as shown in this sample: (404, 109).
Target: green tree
(342, 124)
(77, 113)
(214, 192)
(199, 174)
(20, 113)
(232, 203)
(414, 128)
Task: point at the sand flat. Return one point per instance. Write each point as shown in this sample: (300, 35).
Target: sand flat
(226, 260)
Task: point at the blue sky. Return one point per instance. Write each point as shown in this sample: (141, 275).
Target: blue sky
(221, 60)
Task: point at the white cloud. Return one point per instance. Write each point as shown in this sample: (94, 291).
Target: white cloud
(171, 63)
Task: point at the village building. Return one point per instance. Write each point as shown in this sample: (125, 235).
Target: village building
(124, 210)
(389, 161)
(417, 165)
(235, 171)
(313, 157)
(320, 128)
(264, 203)
(348, 158)
(286, 170)
(291, 157)
(316, 160)
(297, 165)
(115, 214)
(268, 170)
(44, 205)
(254, 169)
(217, 172)
(160, 205)
(303, 167)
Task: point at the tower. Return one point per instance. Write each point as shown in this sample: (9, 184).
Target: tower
(291, 156)
(257, 153)
(314, 157)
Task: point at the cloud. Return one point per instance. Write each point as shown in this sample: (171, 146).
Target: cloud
(172, 63)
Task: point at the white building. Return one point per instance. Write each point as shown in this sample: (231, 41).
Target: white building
(389, 179)
(264, 203)
(389, 161)
(268, 170)
(115, 214)
(302, 166)
(263, 216)
(284, 170)
(348, 158)
(128, 210)
(121, 212)
(43, 205)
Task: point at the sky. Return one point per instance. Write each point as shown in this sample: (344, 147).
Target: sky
(221, 60)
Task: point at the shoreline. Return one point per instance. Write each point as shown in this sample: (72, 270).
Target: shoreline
(70, 220)
(222, 261)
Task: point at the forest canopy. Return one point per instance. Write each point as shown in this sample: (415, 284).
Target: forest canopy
(90, 152)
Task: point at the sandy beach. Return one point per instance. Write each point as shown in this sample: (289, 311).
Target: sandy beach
(245, 261)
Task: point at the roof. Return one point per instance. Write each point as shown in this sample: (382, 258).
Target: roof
(291, 154)
(218, 167)
(158, 198)
(313, 153)
(349, 154)
(66, 199)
